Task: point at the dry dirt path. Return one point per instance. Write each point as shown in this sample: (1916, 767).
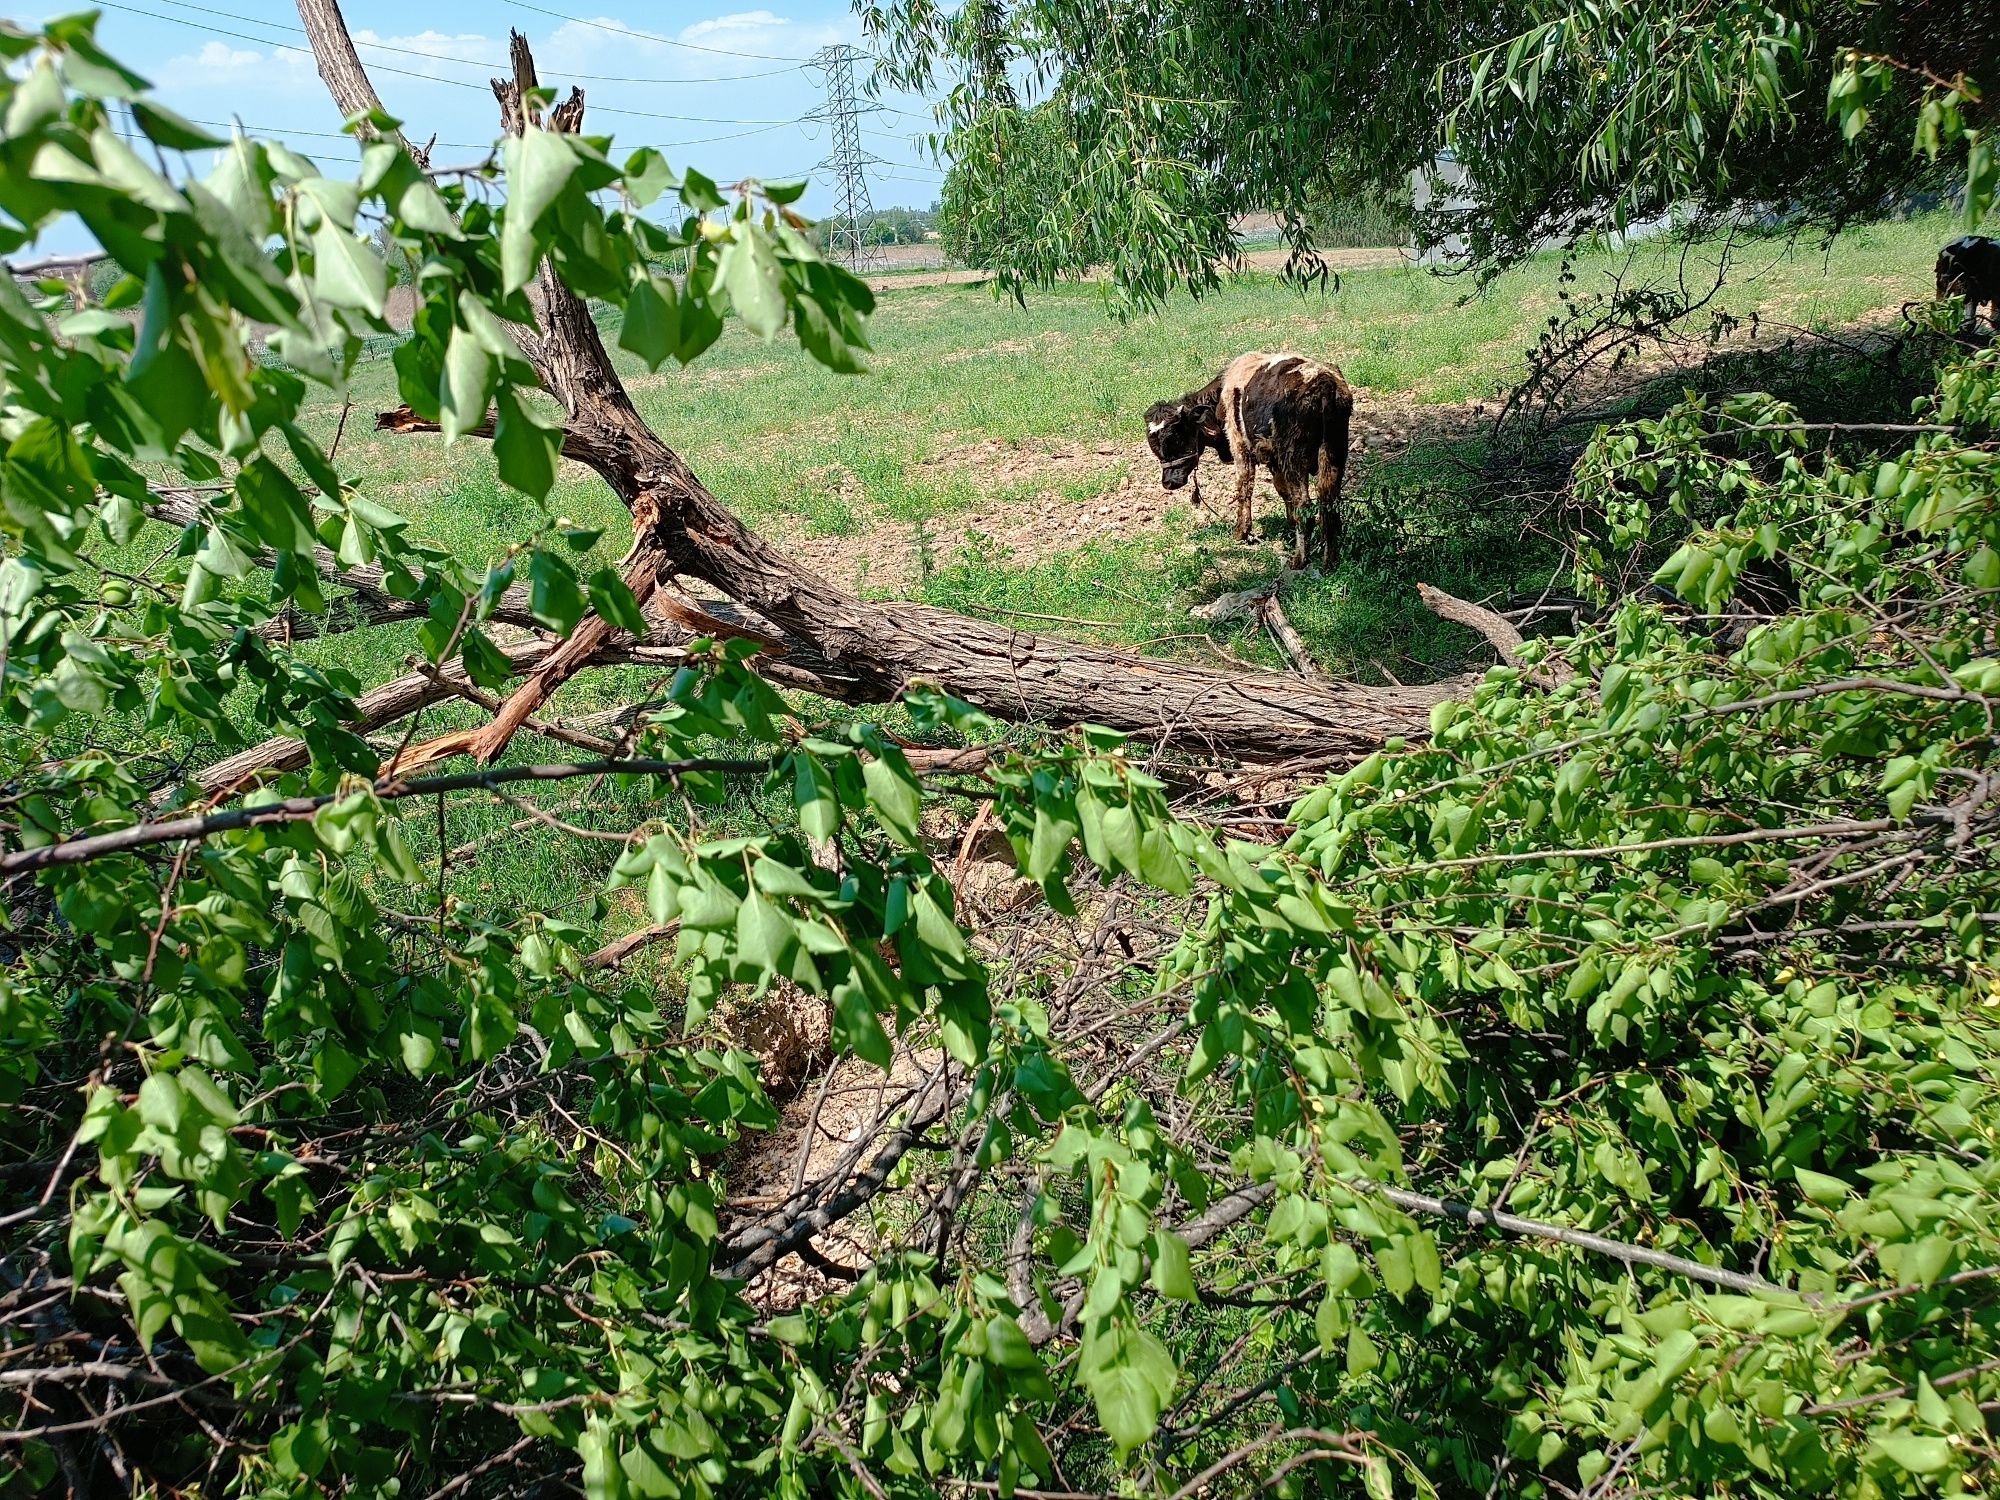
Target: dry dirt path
(1250, 260)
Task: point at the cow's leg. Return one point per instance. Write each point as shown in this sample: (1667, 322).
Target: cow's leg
(1246, 482)
(1326, 486)
(1297, 517)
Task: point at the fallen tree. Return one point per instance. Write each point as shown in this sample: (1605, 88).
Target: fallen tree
(878, 650)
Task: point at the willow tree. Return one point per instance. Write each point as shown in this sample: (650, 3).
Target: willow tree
(1177, 116)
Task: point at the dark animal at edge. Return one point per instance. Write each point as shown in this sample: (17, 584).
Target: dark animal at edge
(1280, 410)
(1970, 268)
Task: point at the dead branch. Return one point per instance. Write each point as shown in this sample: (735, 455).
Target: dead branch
(1272, 613)
(1227, 607)
(614, 953)
(302, 809)
(396, 700)
(1497, 629)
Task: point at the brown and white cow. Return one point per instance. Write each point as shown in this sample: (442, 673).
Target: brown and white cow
(1283, 411)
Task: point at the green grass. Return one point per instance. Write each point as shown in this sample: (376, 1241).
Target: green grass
(773, 433)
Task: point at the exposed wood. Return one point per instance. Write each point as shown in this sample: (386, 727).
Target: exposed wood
(1497, 629)
(614, 953)
(591, 635)
(1226, 607)
(398, 699)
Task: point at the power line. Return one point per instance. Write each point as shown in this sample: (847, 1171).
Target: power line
(848, 161)
(458, 62)
(456, 83)
(335, 135)
(647, 36)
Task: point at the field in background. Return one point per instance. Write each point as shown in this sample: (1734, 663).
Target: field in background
(993, 459)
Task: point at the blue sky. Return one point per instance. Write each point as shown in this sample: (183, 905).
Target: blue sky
(715, 87)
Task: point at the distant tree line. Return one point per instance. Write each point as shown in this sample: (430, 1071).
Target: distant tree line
(885, 226)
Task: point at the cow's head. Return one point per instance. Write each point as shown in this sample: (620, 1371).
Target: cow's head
(1177, 431)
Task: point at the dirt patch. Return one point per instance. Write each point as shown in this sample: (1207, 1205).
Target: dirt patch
(1041, 343)
(816, 1133)
(1023, 510)
(1025, 515)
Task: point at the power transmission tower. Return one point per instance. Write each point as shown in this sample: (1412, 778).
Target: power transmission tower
(848, 162)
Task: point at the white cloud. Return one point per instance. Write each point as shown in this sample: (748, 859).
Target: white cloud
(607, 45)
(464, 47)
(218, 64)
(759, 21)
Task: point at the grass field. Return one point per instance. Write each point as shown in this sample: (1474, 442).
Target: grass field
(992, 459)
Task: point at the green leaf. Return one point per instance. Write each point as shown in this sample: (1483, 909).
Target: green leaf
(700, 193)
(553, 595)
(525, 447)
(1822, 1189)
(652, 323)
(647, 175)
(1913, 1453)
(814, 795)
(539, 166)
(485, 663)
(165, 128)
(612, 598)
(1171, 1275)
(1130, 1377)
(470, 375)
(749, 272)
(892, 792)
(856, 1027)
(347, 273)
(764, 934)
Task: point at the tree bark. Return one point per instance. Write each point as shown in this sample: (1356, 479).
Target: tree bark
(868, 652)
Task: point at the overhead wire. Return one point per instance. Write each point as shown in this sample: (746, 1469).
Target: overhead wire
(760, 127)
(485, 67)
(336, 135)
(457, 83)
(647, 36)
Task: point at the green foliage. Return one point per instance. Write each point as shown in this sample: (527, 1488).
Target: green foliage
(1154, 126)
(371, 1191)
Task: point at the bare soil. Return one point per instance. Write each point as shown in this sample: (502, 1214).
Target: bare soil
(1025, 517)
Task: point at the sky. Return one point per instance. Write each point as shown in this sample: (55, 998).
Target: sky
(724, 90)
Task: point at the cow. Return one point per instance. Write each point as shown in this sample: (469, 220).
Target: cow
(1970, 268)
(1283, 411)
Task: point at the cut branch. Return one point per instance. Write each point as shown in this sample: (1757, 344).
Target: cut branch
(397, 700)
(1289, 641)
(590, 637)
(1497, 629)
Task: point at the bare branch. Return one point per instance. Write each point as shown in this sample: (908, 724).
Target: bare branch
(299, 809)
